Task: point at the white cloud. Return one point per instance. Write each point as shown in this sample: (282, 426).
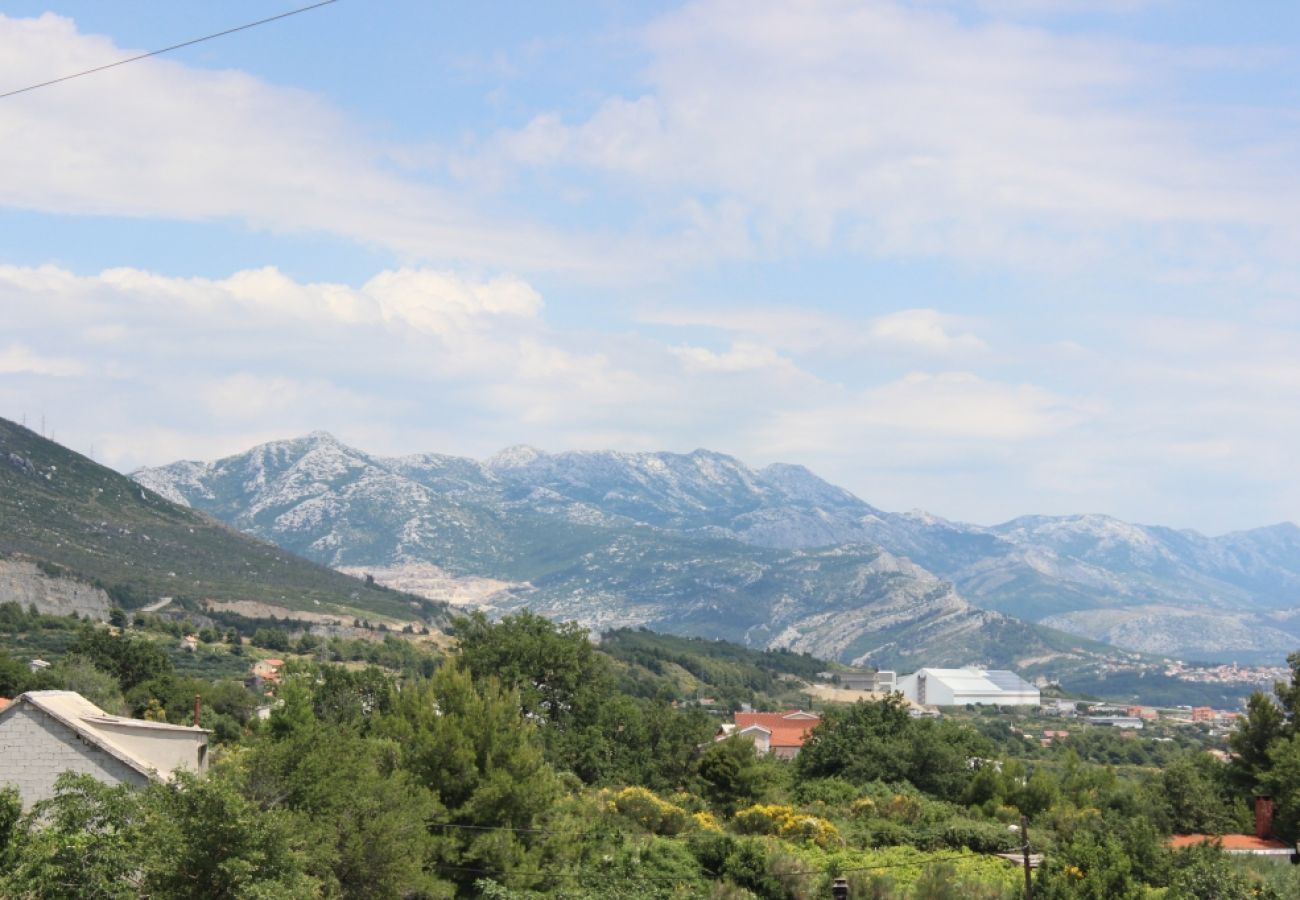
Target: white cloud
(763, 129)
(901, 130)
(927, 332)
(257, 399)
(159, 139)
(741, 357)
(432, 360)
(411, 351)
(17, 360)
(942, 405)
(924, 329)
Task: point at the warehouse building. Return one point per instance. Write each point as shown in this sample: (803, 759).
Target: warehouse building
(957, 687)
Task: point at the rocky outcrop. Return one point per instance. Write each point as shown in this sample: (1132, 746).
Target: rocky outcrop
(22, 581)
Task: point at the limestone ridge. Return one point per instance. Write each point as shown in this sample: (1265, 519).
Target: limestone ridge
(694, 543)
(713, 536)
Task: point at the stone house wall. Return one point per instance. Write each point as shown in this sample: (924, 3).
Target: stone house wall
(35, 749)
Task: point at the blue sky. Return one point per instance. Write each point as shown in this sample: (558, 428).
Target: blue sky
(981, 258)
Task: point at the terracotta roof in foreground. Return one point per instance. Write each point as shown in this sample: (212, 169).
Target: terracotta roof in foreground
(787, 729)
(1238, 842)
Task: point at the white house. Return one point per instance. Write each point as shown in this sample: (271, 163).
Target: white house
(46, 733)
(957, 687)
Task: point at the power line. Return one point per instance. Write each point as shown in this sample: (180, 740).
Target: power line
(199, 40)
(829, 870)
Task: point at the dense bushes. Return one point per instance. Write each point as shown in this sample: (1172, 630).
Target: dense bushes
(881, 741)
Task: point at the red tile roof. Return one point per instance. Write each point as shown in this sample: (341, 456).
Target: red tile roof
(1230, 841)
(786, 732)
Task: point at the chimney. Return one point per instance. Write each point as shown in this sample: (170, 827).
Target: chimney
(198, 717)
(1263, 817)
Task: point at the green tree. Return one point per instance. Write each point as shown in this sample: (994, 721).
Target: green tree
(1288, 693)
(730, 774)
(1256, 732)
(13, 675)
(366, 821)
(271, 639)
(11, 811)
(1190, 796)
(204, 840)
(880, 741)
(83, 842)
(1282, 782)
(558, 673)
(1092, 865)
(79, 673)
(468, 743)
(1204, 872)
(130, 658)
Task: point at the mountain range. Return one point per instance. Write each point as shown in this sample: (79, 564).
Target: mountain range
(701, 544)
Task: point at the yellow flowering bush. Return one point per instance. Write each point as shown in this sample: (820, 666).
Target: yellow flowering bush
(903, 808)
(786, 822)
(649, 811)
(863, 808)
(705, 821)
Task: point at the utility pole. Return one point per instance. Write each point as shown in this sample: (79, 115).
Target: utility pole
(1024, 848)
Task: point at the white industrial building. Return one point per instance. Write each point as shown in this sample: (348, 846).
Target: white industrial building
(957, 687)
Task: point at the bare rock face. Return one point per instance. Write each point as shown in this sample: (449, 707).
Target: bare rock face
(23, 582)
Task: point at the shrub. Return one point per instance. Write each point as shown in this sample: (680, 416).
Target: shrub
(981, 837)
(903, 808)
(863, 808)
(705, 821)
(650, 812)
(786, 822)
(834, 791)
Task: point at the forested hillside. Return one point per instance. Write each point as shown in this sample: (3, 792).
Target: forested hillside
(77, 518)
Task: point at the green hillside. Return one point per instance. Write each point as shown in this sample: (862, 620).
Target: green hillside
(75, 517)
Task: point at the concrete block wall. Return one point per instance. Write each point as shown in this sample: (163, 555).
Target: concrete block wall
(35, 749)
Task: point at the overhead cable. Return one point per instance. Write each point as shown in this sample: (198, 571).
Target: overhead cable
(190, 43)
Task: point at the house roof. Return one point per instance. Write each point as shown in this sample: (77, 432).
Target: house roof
(787, 729)
(1241, 843)
(93, 725)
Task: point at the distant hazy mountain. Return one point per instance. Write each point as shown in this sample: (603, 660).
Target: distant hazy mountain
(697, 543)
(703, 543)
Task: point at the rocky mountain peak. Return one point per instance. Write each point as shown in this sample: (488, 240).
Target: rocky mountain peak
(519, 456)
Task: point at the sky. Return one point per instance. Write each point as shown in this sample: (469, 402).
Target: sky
(984, 258)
